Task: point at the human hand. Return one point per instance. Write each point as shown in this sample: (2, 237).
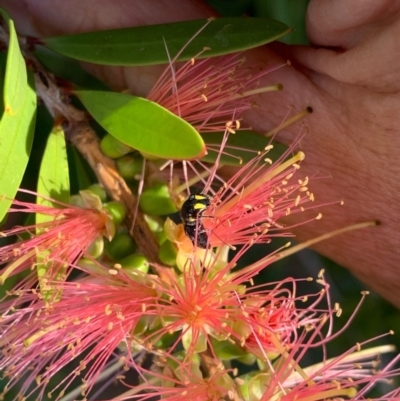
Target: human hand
(350, 80)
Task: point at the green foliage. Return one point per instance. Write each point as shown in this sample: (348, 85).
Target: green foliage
(143, 125)
(154, 44)
(80, 174)
(53, 183)
(16, 76)
(291, 12)
(3, 66)
(17, 122)
(54, 173)
(68, 69)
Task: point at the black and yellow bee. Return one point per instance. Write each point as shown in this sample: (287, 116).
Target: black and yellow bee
(191, 212)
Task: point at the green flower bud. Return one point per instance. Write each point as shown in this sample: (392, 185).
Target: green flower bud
(121, 246)
(156, 224)
(247, 359)
(252, 385)
(113, 148)
(116, 210)
(161, 237)
(180, 370)
(167, 253)
(135, 262)
(98, 190)
(157, 201)
(226, 350)
(96, 248)
(76, 200)
(130, 166)
(196, 343)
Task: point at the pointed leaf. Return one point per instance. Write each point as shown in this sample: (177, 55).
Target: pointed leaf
(3, 63)
(146, 45)
(4, 14)
(53, 183)
(68, 69)
(14, 96)
(53, 175)
(81, 175)
(143, 125)
(241, 147)
(17, 123)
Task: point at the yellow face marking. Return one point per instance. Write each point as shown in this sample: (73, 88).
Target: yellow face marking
(200, 197)
(199, 206)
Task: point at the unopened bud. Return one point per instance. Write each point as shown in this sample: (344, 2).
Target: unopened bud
(113, 148)
(121, 246)
(135, 262)
(96, 248)
(157, 201)
(130, 167)
(98, 190)
(116, 210)
(167, 253)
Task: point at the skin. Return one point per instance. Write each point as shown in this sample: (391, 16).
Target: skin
(350, 76)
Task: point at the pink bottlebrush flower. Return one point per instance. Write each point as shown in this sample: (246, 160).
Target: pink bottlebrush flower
(349, 376)
(210, 302)
(210, 94)
(97, 315)
(276, 313)
(250, 207)
(114, 312)
(207, 93)
(174, 381)
(57, 243)
(89, 322)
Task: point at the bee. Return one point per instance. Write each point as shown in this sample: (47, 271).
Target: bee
(191, 212)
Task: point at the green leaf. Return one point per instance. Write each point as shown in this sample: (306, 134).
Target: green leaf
(5, 15)
(146, 45)
(240, 148)
(143, 125)
(291, 12)
(53, 183)
(3, 64)
(15, 79)
(53, 179)
(68, 69)
(17, 123)
(81, 175)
